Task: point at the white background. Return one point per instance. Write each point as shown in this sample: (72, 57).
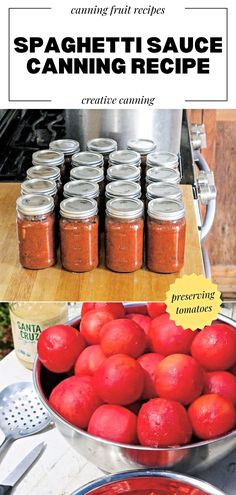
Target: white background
(67, 91)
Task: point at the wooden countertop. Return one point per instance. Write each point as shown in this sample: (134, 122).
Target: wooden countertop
(19, 284)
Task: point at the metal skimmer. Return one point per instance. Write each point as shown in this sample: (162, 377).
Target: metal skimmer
(21, 412)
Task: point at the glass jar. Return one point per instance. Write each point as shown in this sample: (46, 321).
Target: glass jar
(123, 172)
(51, 159)
(81, 188)
(162, 159)
(125, 157)
(104, 146)
(163, 190)
(46, 172)
(123, 189)
(28, 320)
(142, 146)
(162, 174)
(36, 231)
(68, 147)
(165, 235)
(79, 234)
(87, 158)
(124, 234)
(91, 174)
(41, 186)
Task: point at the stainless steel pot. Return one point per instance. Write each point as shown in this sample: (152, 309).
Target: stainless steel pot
(150, 480)
(163, 126)
(114, 457)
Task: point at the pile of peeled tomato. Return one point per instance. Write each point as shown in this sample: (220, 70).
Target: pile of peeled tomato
(134, 377)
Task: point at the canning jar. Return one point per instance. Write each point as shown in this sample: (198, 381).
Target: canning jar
(45, 172)
(165, 235)
(162, 159)
(79, 234)
(50, 158)
(104, 146)
(123, 189)
(162, 174)
(81, 188)
(123, 172)
(87, 158)
(163, 190)
(142, 146)
(124, 234)
(68, 147)
(36, 231)
(91, 174)
(125, 157)
(41, 186)
(28, 320)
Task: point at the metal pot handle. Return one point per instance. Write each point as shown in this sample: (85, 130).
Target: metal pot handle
(207, 193)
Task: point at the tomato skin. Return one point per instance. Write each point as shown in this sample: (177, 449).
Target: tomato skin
(114, 423)
(149, 363)
(179, 377)
(119, 380)
(168, 338)
(89, 360)
(115, 308)
(92, 323)
(222, 383)
(215, 347)
(155, 309)
(75, 399)
(59, 346)
(123, 336)
(211, 416)
(144, 322)
(162, 423)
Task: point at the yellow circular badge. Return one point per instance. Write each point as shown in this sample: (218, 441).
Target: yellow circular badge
(193, 301)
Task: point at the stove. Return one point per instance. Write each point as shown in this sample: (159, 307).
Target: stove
(24, 131)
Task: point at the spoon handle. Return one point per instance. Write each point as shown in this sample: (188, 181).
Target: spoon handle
(3, 445)
(5, 489)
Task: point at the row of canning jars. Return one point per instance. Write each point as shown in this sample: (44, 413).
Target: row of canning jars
(79, 234)
(130, 160)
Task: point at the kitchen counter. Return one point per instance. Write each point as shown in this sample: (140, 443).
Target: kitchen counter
(60, 470)
(101, 284)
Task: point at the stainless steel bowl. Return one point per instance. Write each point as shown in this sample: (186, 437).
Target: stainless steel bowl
(113, 457)
(169, 483)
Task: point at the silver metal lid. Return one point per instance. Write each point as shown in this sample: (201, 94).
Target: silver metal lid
(123, 172)
(142, 146)
(47, 157)
(123, 188)
(83, 188)
(77, 208)
(166, 209)
(127, 157)
(93, 174)
(162, 158)
(87, 158)
(65, 146)
(102, 145)
(162, 174)
(39, 186)
(164, 190)
(43, 172)
(34, 204)
(124, 208)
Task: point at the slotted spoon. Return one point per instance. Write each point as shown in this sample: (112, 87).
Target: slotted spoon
(21, 412)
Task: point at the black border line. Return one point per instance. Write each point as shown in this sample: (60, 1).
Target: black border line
(9, 52)
(227, 51)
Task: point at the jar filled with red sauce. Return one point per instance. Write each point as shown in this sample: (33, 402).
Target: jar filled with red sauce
(91, 174)
(104, 146)
(41, 186)
(124, 234)
(165, 235)
(36, 231)
(68, 147)
(79, 234)
(163, 159)
(125, 157)
(50, 158)
(163, 190)
(123, 189)
(162, 174)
